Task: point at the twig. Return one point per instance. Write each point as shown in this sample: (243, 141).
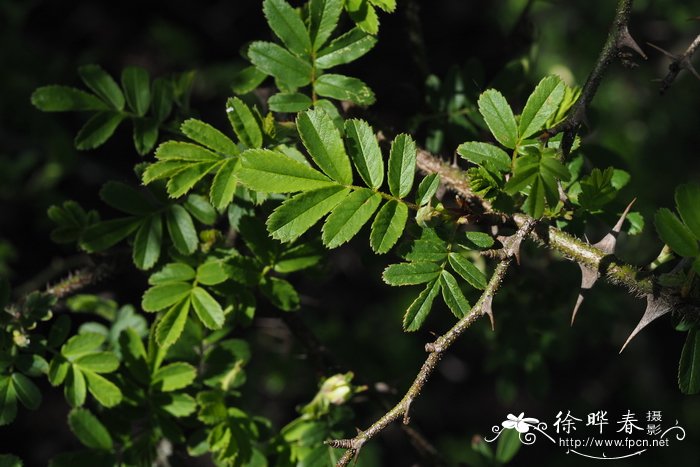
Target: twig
(435, 349)
(680, 62)
(618, 39)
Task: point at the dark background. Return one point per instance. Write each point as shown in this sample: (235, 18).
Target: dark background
(534, 361)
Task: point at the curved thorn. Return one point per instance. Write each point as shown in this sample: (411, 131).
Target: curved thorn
(656, 308)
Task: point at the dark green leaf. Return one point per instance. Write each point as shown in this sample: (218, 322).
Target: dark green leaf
(365, 153)
(8, 401)
(485, 154)
(402, 165)
(199, 207)
(280, 293)
(137, 89)
(274, 172)
(26, 391)
(126, 199)
(344, 88)
(164, 295)
(99, 362)
(89, 430)
(467, 270)
(82, 344)
(274, 60)
(75, 389)
(176, 150)
(9, 460)
(508, 445)
(345, 49)
(323, 18)
(298, 214)
(499, 117)
(102, 84)
(148, 241)
(59, 331)
(541, 105)
(247, 80)
(688, 205)
(163, 94)
(419, 309)
(63, 98)
(675, 234)
(207, 309)
(286, 23)
(208, 136)
(289, 102)
(170, 327)
(145, 134)
(453, 296)
(388, 226)
(211, 273)
(243, 122)
(478, 240)
(322, 139)
(349, 216)
(181, 229)
(174, 376)
(411, 273)
(184, 180)
(97, 130)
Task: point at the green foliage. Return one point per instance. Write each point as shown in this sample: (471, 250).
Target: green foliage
(148, 104)
(682, 235)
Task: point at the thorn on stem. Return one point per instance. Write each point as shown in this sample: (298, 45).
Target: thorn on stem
(656, 308)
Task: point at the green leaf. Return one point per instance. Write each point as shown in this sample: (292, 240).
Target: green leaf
(137, 89)
(8, 401)
(103, 235)
(182, 182)
(211, 273)
(63, 99)
(322, 139)
(199, 207)
(508, 445)
(179, 405)
(363, 14)
(207, 309)
(485, 154)
(82, 344)
(99, 362)
(103, 390)
(97, 130)
(298, 214)
(75, 388)
(540, 172)
(597, 189)
(273, 172)
(478, 240)
(402, 165)
(388, 226)
(280, 293)
(176, 150)
(162, 102)
(689, 367)
(297, 258)
(208, 136)
(453, 296)
(103, 85)
(164, 295)
(89, 430)
(344, 88)
(323, 18)
(349, 216)
(170, 327)
(541, 105)
(174, 376)
(467, 270)
(286, 23)
(289, 102)
(675, 234)
(243, 122)
(172, 272)
(688, 205)
(345, 49)
(419, 309)
(223, 187)
(145, 134)
(365, 153)
(26, 391)
(181, 229)
(126, 199)
(499, 117)
(58, 370)
(9, 460)
(411, 273)
(148, 241)
(427, 189)
(274, 60)
(247, 80)
(387, 5)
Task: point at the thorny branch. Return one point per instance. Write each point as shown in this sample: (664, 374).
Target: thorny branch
(680, 62)
(618, 40)
(435, 349)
